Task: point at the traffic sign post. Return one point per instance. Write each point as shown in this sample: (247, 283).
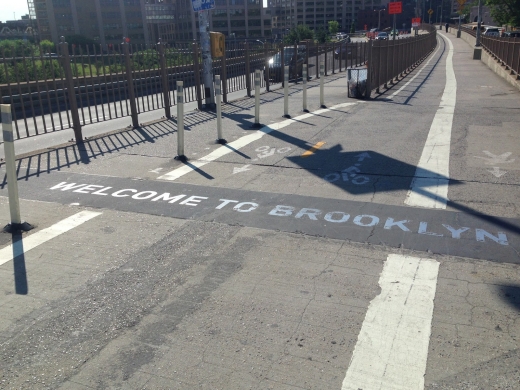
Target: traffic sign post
(203, 7)
(395, 8)
(461, 6)
(415, 24)
(430, 12)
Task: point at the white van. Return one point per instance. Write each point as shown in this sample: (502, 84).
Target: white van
(492, 32)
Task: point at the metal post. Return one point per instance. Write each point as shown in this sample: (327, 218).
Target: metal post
(71, 93)
(393, 29)
(286, 92)
(257, 98)
(326, 52)
(322, 82)
(196, 71)
(207, 63)
(130, 82)
(164, 76)
(266, 72)
(304, 77)
(10, 164)
(223, 73)
(218, 99)
(248, 71)
(180, 122)
(477, 51)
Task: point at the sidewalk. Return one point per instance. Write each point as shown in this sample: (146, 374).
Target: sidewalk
(164, 295)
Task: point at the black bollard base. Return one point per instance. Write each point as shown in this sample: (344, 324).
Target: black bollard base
(182, 158)
(221, 141)
(18, 227)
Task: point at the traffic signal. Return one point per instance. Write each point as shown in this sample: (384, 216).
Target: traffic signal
(218, 44)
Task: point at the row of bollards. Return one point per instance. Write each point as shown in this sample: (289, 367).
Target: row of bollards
(218, 102)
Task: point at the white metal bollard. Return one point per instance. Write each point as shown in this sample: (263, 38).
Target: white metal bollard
(286, 91)
(304, 77)
(180, 121)
(10, 165)
(218, 98)
(257, 98)
(322, 80)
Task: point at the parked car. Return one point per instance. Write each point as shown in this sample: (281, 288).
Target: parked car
(492, 32)
(344, 48)
(382, 36)
(275, 63)
(511, 34)
(394, 32)
(341, 35)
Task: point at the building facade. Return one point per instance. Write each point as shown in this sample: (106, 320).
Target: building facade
(316, 14)
(145, 21)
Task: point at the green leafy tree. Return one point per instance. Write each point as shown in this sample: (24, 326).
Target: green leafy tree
(333, 27)
(47, 46)
(300, 33)
(16, 48)
(322, 36)
(353, 27)
(505, 11)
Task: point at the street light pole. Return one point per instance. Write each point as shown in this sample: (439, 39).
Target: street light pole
(477, 51)
(479, 23)
(379, 19)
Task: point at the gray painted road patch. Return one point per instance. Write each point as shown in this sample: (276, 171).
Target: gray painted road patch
(443, 232)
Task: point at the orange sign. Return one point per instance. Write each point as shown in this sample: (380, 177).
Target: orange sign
(395, 7)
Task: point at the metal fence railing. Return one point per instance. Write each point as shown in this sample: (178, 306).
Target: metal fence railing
(68, 87)
(392, 58)
(503, 49)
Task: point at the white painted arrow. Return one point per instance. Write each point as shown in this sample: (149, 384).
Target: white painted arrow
(241, 169)
(496, 159)
(497, 172)
(362, 156)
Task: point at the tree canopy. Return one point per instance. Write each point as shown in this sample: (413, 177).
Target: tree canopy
(505, 11)
(300, 33)
(333, 27)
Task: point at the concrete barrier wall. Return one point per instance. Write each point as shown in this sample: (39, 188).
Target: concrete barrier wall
(487, 59)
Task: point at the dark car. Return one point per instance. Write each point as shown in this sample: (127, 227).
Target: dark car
(511, 34)
(344, 48)
(382, 36)
(275, 64)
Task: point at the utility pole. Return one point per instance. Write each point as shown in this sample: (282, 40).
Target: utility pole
(207, 64)
(477, 51)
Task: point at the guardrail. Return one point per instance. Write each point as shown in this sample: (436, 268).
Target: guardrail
(504, 50)
(82, 85)
(392, 58)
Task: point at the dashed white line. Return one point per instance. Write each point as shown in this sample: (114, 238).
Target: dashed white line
(392, 347)
(429, 187)
(32, 241)
(241, 142)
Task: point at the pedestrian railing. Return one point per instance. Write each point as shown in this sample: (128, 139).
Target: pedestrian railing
(392, 58)
(68, 87)
(504, 50)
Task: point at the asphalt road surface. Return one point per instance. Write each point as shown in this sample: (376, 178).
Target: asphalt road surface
(364, 245)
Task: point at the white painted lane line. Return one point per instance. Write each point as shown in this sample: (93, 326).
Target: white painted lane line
(429, 187)
(392, 347)
(32, 241)
(414, 77)
(241, 142)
